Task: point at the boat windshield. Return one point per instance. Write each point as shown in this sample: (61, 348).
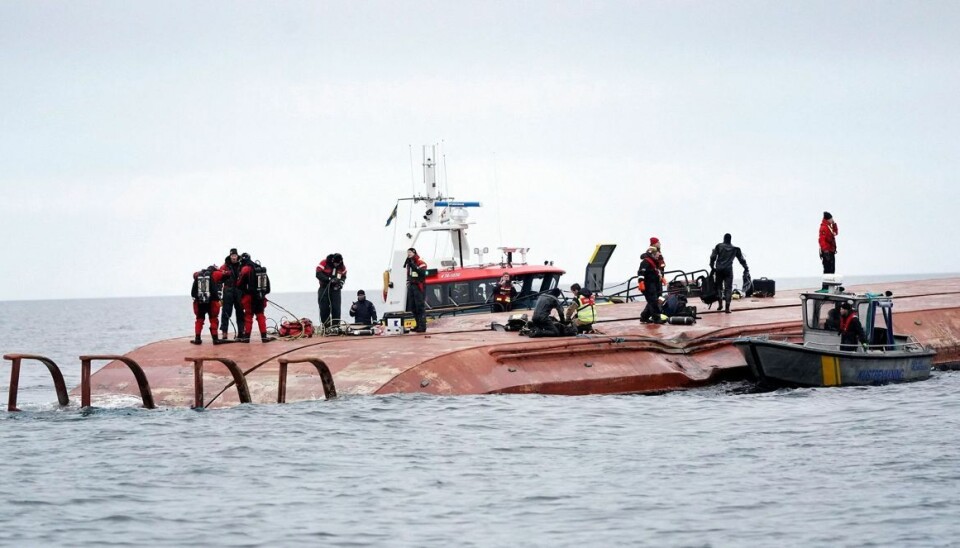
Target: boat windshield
(823, 314)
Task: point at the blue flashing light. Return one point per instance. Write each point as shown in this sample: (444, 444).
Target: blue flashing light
(456, 204)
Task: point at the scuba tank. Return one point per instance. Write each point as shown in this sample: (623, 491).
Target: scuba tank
(204, 286)
(681, 320)
(261, 281)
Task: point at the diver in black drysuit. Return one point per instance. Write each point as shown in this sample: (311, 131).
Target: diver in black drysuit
(542, 321)
(721, 260)
(230, 271)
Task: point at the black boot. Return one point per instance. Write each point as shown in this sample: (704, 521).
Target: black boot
(266, 339)
(245, 338)
(196, 340)
(216, 339)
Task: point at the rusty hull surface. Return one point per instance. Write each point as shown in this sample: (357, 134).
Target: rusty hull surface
(462, 355)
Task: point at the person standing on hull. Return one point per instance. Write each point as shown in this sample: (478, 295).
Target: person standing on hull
(416, 288)
(363, 310)
(650, 285)
(255, 285)
(852, 335)
(828, 244)
(230, 273)
(206, 301)
(331, 273)
(661, 263)
(721, 264)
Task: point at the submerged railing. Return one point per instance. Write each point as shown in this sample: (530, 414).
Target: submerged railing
(58, 384)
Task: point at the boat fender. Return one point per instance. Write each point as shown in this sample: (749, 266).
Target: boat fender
(682, 320)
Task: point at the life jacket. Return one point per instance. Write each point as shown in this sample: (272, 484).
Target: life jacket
(206, 286)
(332, 272)
(586, 312)
(504, 293)
(416, 270)
(846, 321)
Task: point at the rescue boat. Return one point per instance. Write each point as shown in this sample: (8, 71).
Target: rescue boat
(458, 280)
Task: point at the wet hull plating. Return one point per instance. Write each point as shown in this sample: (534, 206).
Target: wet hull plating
(462, 355)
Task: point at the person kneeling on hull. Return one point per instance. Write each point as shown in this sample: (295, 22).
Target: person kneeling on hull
(543, 324)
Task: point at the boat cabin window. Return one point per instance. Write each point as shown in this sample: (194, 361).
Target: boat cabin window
(460, 293)
(436, 295)
(823, 314)
(483, 290)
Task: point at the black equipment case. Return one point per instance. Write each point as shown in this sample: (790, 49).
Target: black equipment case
(764, 287)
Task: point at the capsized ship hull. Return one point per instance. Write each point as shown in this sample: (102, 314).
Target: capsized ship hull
(462, 355)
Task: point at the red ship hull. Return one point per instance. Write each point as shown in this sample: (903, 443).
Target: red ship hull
(462, 355)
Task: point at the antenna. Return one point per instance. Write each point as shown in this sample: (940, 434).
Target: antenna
(413, 182)
(496, 192)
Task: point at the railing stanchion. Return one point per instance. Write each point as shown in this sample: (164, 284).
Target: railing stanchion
(58, 383)
(329, 388)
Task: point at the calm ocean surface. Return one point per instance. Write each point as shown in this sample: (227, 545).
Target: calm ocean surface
(720, 466)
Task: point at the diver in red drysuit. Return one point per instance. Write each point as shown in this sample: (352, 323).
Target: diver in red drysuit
(206, 301)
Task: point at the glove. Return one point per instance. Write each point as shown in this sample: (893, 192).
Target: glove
(414, 274)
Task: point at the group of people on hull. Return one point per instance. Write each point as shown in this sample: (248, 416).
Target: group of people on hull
(244, 286)
(241, 286)
(332, 273)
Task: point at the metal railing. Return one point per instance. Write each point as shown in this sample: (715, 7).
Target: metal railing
(58, 383)
(329, 389)
(243, 391)
(145, 394)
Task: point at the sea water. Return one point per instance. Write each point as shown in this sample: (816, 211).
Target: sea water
(720, 466)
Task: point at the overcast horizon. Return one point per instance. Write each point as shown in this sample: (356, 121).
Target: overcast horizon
(141, 141)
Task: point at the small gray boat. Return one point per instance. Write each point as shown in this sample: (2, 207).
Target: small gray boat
(821, 361)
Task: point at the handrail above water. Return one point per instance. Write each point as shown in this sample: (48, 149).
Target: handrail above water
(329, 388)
(243, 391)
(58, 383)
(145, 394)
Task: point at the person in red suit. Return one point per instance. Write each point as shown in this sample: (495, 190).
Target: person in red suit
(206, 301)
(416, 288)
(331, 273)
(255, 286)
(828, 244)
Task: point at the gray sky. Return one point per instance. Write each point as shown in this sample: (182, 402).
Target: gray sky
(141, 140)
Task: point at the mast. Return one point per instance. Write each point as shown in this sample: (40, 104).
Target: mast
(439, 214)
